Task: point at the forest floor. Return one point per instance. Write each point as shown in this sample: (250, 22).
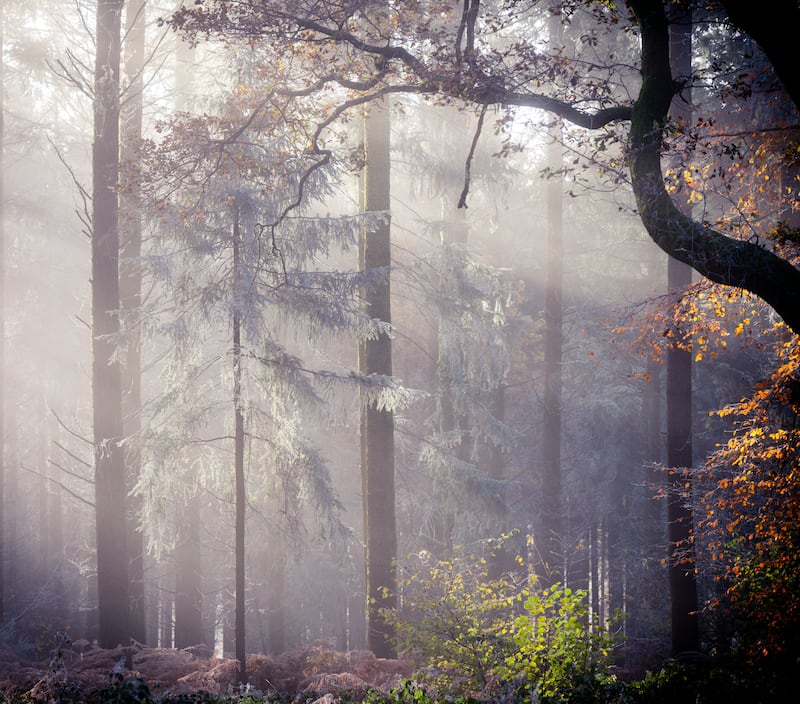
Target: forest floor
(83, 668)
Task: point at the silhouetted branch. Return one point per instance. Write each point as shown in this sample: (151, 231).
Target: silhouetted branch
(462, 201)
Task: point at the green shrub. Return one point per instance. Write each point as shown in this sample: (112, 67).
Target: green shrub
(558, 655)
(500, 638)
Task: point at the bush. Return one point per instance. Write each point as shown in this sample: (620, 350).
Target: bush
(558, 656)
(499, 638)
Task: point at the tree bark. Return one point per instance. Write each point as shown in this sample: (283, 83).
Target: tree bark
(239, 547)
(131, 296)
(682, 582)
(713, 254)
(377, 426)
(110, 487)
(2, 327)
(553, 533)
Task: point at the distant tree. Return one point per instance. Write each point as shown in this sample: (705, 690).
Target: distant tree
(113, 587)
(552, 523)
(236, 268)
(2, 324)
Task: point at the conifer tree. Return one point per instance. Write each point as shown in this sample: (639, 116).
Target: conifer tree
(110, 479)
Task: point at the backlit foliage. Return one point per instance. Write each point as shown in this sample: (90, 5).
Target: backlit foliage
(480, 635)
(752, 515)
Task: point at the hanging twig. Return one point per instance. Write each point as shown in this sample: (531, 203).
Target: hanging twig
(462, 201)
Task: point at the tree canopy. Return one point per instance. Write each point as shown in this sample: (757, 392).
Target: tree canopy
(491, 54)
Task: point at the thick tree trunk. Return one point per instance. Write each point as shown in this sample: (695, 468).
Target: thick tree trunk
(110, 487)
(377, 426)
(720, 258)
(682, 582)
(238, 442)
(131, 295)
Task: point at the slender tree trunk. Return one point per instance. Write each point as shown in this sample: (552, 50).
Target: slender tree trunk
(682, 582)
(454, 233)
(239, 558)
(276, 593)
(3, 550)
(553, 549)
(131, 295)
(110, 487)
(377, 426)
(54, 527)
(188, 553)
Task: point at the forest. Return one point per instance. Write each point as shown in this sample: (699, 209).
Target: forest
(399, 351)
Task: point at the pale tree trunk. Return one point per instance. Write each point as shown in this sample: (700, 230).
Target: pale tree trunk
(131, 295)
(2, 328)
(377, 426)
(455, 232)
(276, 593)
(553, 534)
(110, 487)
(239, 551)
(188, 554)
(682, 582)
(55, 523)
(188, 596)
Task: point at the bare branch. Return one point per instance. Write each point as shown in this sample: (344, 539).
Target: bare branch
(58, 483)
(462, 201)
(71, 431)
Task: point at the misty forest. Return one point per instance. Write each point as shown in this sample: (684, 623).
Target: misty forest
(399, 351)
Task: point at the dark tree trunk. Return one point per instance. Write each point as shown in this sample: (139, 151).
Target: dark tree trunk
(239, 558)
(682, 582)
(722, 259)
(130, 297)
(110, 486)
(377, 426)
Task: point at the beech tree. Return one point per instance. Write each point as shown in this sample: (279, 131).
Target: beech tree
(452, 53)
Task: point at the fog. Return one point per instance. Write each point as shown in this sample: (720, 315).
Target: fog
(482, 298)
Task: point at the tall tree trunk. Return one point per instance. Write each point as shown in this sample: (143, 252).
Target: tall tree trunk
(131, 295)
(682, 582)
(239, 569)
(188, 553)
(54, 527)
(377, 425)
(110, 487)
(553, 549)
(454, 233)
(3, 550)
